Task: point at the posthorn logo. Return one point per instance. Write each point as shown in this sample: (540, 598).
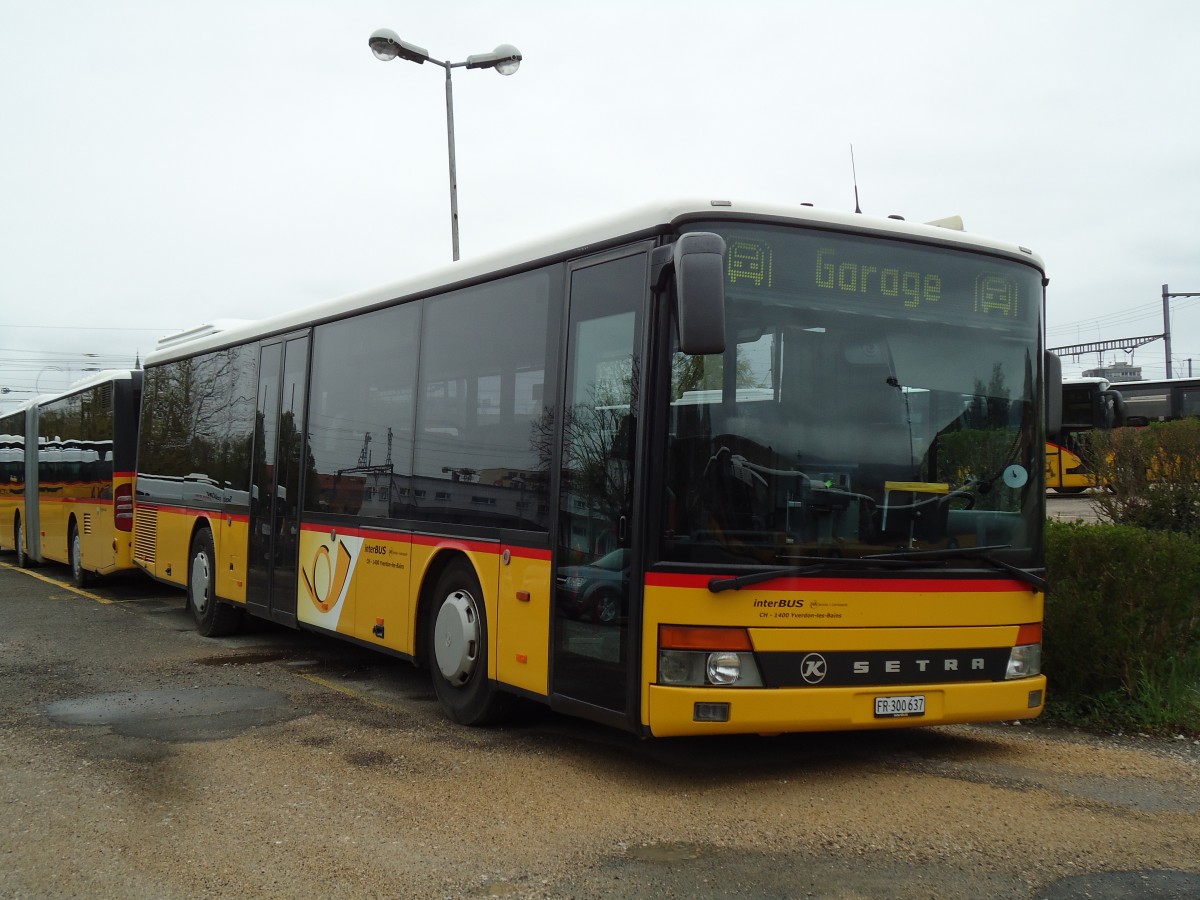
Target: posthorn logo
(813, 668)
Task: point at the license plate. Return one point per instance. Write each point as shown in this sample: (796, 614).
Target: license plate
(898, 707)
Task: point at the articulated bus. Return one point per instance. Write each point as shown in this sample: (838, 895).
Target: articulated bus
(1088, 405)
(704, 469)
(68, 468)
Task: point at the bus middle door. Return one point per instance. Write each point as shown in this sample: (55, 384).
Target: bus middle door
(271, 570)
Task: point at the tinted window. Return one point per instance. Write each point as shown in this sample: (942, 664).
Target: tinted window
(76, 442)
(364, 374)
(12, 454)
(197, 428)
(480, 455)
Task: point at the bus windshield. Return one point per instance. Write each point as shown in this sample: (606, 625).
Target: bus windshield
(874, 396)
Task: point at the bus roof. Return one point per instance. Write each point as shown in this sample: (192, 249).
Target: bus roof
(1153, 383)
(90, 380)
(658, 218)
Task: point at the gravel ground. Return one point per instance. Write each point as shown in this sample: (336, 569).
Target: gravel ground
(338, 777)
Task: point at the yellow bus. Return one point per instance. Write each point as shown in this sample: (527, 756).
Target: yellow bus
(702, 469)
(14, 428)
(1089, 404)
(69, 499)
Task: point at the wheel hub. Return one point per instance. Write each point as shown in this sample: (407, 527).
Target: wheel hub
(199, 588)
(456, 637)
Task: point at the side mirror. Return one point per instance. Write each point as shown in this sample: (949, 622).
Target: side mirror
(1052, 375)
(699, 260)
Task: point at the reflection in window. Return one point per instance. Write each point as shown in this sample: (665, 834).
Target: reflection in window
(481, 418)
(75, 452)
(465, 444)
(364, 372)
(198, 428)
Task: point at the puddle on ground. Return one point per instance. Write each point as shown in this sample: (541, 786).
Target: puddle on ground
(248, 659)
(180, 715)
(664, 852)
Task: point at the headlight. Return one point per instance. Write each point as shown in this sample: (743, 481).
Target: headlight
(698, 668)
(573, 582)
(1025, 661)
(723, 668)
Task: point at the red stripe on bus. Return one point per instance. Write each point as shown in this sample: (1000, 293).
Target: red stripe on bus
(432, 540)
(371, 533)
(841, 585)
(538, 553)
(96, 501)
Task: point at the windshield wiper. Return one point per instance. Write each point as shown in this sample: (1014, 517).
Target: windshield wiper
(983, 553)
(814, 564)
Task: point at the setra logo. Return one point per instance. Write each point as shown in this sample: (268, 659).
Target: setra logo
(813, 668)
(328, 575)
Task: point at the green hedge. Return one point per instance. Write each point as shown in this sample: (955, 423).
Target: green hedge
(1122, 626)
(1151, 475)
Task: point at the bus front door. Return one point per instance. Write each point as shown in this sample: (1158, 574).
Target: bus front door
(277, 478)
(593, 632)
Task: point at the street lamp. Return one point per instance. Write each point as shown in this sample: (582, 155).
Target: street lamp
(505, 59)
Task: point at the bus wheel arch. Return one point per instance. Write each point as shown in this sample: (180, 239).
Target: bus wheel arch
(454, 624)
(213, 617)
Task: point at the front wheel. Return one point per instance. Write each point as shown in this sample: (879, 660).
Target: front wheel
(458, 650)
(81, 576)
(213, 617)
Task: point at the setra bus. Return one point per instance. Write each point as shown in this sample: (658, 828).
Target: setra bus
(68, 463)
(706, 468)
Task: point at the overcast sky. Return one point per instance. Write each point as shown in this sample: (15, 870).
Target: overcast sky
(166, 163)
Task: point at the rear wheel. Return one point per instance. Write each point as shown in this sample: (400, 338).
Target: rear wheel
(23, 560)
(458, 649)
(81, 576)
(214, 618)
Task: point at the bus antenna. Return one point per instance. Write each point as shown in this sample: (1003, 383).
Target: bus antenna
(854, 175)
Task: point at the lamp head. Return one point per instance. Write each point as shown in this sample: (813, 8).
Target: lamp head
(505, 59)
(387, 45)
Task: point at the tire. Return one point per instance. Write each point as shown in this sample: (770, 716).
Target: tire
(458, 656)
(214, 618)
(23, 560)
(1069, 490)
(81, 576)
(607, 607)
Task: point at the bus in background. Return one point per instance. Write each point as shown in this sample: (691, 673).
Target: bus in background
(708, 468)
(76, 500)
(1088, 405)
(15, 426)
(1161, 401)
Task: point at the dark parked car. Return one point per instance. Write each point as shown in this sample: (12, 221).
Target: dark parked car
(597, 591)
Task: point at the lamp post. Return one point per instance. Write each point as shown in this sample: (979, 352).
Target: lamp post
(505, 59)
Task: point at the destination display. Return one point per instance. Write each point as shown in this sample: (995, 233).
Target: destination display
(831, 271)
